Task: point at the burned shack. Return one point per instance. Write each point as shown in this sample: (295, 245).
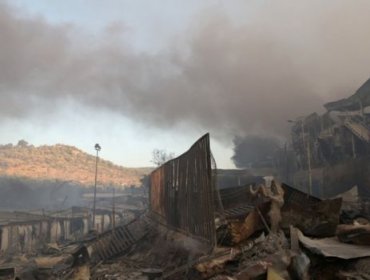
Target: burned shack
(23, 232)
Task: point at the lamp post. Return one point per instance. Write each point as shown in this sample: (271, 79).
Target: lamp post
(114, 210)
(306, 146)
(97, 148)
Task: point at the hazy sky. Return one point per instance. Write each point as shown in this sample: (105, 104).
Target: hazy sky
(139, 75)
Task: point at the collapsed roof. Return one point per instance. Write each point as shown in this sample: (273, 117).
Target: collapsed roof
(360, 99)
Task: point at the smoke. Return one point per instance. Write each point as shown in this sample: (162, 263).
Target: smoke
(18, 193)
(229, 76)
(254, 151)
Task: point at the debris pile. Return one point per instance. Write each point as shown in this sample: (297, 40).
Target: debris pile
(299, 238)
(265, 252)
(191, 230)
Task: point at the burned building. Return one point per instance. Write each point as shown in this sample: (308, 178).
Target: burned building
(332, 151)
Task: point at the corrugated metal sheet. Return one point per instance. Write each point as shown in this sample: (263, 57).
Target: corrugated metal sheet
(114, 242)
(182, 193)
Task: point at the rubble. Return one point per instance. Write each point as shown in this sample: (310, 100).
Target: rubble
(270, 232)
(356, 234)
(332, 247)
(299, 266)
(313, 216)
(152, 250)
(241, 230)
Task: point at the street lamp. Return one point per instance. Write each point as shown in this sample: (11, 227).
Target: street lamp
(97, 148)
(308, 154)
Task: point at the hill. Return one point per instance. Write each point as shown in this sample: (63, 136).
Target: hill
(66, 163)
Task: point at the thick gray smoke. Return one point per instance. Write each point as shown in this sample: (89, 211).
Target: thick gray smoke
(254, 151)
(230, 77)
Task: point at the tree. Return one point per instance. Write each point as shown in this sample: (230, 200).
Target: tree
(159, 157)
(22, 143)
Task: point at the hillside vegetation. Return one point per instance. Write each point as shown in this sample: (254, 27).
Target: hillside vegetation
(66, 163)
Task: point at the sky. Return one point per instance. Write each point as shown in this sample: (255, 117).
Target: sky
(140, 75)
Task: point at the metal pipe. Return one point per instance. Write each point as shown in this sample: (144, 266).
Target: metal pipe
(113, 210)
(97, 148)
